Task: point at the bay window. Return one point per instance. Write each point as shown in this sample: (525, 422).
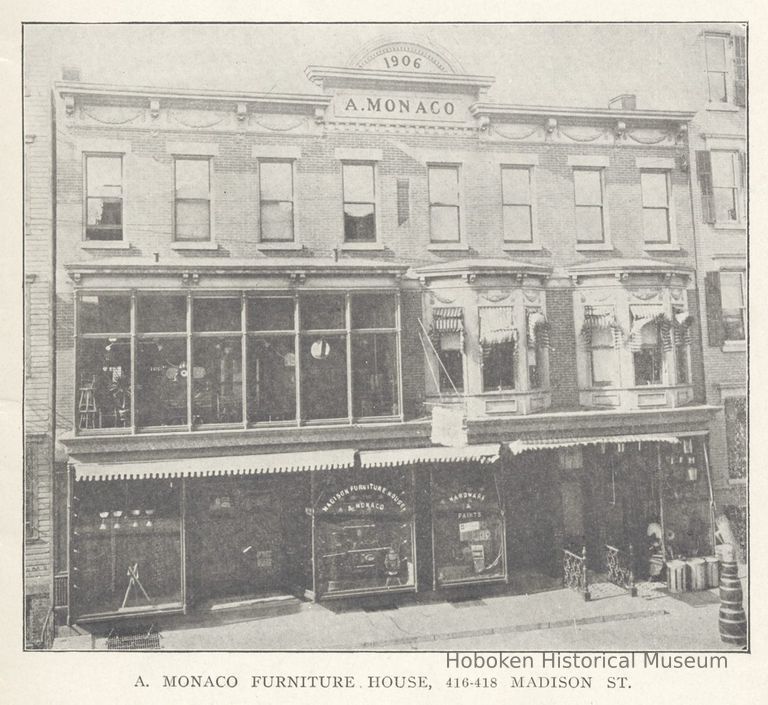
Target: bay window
(447, 336)
(498, 339)
(231, 360)
(537, 332)
(650, 328)
(602, 335)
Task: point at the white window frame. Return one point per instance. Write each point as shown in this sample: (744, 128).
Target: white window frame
(366, 244)
(195, 244)
(671, 241)
(738, 190)
(277, 243)
(521, 244)
(605, 244)
(86, 155)
(735, 344)
(458, 243)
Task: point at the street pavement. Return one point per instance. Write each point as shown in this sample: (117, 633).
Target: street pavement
(551, 620)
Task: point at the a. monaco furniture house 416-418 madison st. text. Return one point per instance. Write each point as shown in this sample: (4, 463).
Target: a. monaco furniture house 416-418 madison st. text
(383, 336)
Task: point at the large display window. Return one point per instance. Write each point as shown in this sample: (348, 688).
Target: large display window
(126, 550)
(467, 525)
(363, 532)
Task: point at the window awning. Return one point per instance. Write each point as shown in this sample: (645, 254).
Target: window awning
(520, 446)
(483, 454)
(601, 318)
(496, 325)
(447, 319)
(642, 315)
(538, 329)
(233, 465)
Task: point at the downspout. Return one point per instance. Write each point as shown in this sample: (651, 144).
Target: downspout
(712, 505)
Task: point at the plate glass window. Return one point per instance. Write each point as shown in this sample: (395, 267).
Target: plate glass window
(276, 205)
(588, 190)
(516, 204)
(648, 359)
(444, 223)
(717, 74)
(604, 367)
(655, 188)
(192, 180)
(359, 202)
(104, 197)
(732, 292)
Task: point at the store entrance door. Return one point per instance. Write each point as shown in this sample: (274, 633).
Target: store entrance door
(234, 545)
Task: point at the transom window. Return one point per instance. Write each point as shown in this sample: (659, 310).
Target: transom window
(444, 217)
(276, 201)
(104, 197)
(169, 360)
(192, 187)
(516, 204)
(359, 202)
(655, 188)
(588, 195)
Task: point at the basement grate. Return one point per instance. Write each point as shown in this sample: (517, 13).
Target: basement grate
(138, 638)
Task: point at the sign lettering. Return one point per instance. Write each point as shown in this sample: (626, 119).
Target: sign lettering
(396, 107)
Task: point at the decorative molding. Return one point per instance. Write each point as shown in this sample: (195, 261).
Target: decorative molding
(108, 115)
(441, 299)
(297, 277)
(574, 136)
(527, 133)
(188, 278)
(69, 105)
(644, 294)
(196, 119)
(154, 109)
(532, 295)
(495, 298)
(241, 111)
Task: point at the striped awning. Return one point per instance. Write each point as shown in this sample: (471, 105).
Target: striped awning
(601, 318)
(229, 465)
(447, 319)
(538, 329)
(520, 446)
(496, 325)
(483, 454)
(642, 315)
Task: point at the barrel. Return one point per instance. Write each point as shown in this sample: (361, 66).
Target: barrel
(733, 620)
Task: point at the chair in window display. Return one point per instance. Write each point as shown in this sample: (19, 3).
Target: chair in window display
(86, 405)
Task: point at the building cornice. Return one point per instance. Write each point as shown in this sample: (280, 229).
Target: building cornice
(645, 117)
(323, 75)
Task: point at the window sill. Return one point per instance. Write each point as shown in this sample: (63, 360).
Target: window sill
(734, 346)
(522, 247)
(195, 246)
(105, 245)
(593, 246)
(729, 226)
(279, 246)
(723, 107)
(661, 247)
(363, 246)
(448, 247)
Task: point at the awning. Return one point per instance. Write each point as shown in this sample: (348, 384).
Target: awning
(683, 322)
(447, 319)
(520, 446)
(496, 325)
(233, 465)
(483, 454)
(642, 315)
(601, 318)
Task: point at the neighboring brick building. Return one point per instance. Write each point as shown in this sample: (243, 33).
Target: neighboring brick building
(719, 182)
(383, 336)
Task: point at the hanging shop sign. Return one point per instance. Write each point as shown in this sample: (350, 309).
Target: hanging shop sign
(399, 107)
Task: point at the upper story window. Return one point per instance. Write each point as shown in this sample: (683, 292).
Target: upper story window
(444, 216)
(650, 327)
(156, 360)
(104, 197)
(722, 179)
(192, 187)
(732, 293)
(537, 336)
(276, 201)
(602, 336)
(656, 214)
(516, 203)
(588, 198)
(498, 338)
(726, 57)
(359, 182)
(717, 67)
(447, 336)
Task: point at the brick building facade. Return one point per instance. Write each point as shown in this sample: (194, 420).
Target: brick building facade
(383, 336)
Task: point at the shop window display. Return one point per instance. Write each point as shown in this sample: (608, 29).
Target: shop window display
(126, 552)
(324, 377)
(271, 379)
(217, 394)
(468, 526)
(364, 532)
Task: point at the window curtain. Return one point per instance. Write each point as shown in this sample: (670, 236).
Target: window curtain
(538, 329)
(601, 318)
(496, 327)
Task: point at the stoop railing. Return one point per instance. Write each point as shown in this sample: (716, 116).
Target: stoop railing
(575, 572)
(619, 567)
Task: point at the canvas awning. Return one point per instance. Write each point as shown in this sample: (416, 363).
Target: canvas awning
(447, 319)
(487, 453)
(233, 465)
(538, 329)
(642, 315)
(520, 446)
(601, 318)
(496, 325)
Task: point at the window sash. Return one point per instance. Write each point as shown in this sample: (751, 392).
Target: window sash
(154, 407)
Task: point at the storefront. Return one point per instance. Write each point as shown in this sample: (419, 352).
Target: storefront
(363, 532)
(468, 525)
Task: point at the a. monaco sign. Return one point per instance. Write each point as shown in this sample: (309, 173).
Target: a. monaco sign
(371, 106)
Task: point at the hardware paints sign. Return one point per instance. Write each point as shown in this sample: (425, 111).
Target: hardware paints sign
(374, 107)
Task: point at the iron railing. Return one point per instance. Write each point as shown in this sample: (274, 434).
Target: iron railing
(619, 567)
(575, 572)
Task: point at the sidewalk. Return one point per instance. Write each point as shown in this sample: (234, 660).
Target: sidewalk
(681, 622)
